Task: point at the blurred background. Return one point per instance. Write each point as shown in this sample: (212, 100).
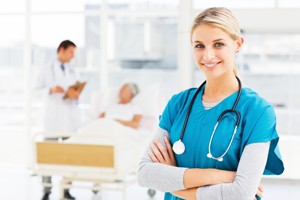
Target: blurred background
(145, 41)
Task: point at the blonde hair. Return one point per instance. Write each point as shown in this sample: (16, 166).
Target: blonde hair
(219, 17)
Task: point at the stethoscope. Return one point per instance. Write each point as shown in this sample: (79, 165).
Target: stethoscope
(179, 147)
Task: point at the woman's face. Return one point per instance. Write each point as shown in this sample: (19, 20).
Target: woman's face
(214, 50)
(125, 94)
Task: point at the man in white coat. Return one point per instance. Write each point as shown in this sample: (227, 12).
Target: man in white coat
(61, 114)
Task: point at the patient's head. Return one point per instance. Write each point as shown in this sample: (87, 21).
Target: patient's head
(127, 92)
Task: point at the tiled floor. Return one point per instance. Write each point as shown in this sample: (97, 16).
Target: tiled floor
(17, 184)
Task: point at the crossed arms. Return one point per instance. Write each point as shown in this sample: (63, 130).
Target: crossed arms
(158, 171)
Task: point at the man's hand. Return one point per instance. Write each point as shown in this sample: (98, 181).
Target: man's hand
(102, 115)
(56, 89)
(72, 93)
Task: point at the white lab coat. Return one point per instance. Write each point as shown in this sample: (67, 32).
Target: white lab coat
(60, 116)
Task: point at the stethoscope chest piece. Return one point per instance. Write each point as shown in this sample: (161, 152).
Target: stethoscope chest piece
(178, 147)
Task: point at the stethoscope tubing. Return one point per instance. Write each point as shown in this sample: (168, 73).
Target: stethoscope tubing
(222, 114)
(232, 110)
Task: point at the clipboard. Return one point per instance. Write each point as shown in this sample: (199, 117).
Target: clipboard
(77, 86)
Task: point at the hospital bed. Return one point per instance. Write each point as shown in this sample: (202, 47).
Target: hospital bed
(105, 156)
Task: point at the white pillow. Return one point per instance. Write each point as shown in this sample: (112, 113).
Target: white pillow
(148, 100)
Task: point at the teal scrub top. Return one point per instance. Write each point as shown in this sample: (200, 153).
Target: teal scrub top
(257, 124)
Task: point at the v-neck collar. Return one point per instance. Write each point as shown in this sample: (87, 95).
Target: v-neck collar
(222, 102)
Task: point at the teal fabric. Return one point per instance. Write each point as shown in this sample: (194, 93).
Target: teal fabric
(258, 124)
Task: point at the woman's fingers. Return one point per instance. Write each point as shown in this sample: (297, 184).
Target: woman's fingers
(162, 150)
(260, 191)
(157, 152)
(153, 158)
(170, 152)
(162, 154)
(259, 194)
(260, 187)
(169, 148)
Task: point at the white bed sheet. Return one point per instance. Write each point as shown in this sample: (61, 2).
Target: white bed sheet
(129, 145)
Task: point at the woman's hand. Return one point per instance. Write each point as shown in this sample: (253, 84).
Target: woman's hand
(260, 191)
(189, 194)
(162, 153)
(222, 176)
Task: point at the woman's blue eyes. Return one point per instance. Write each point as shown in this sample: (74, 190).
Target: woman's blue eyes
(201, 46)
(219, 44)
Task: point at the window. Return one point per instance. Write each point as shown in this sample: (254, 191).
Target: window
(12, 6)
(203, 4)
(11, 67)
(143, 4)
(144, 42)
(12, 98)
(62, 5)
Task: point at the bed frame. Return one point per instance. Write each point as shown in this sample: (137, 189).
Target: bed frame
(82, 162)
(75, 154)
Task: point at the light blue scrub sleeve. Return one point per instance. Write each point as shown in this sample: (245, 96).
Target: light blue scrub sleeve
(263, 129)
(159, 176)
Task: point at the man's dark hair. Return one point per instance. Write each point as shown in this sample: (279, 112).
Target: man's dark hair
(65, 44)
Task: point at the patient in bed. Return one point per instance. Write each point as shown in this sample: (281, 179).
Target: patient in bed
(118, 121)
(125, 111)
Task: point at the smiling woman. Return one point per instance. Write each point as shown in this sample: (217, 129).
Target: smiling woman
(214, 162)
(213, 53)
